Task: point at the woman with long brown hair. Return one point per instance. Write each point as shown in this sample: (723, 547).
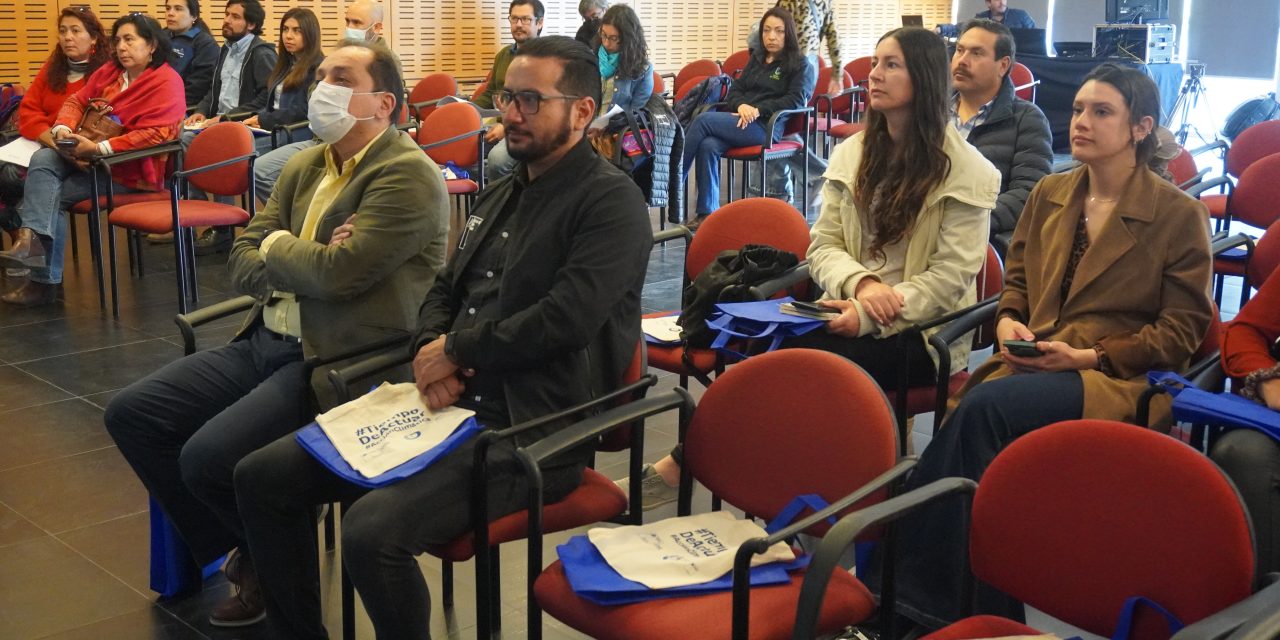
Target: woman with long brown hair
(82, 48)
(290, 82)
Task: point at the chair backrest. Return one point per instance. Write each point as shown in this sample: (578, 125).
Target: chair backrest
(1253, 144)
(735, 63)
(844, 103)
(659, 85)
(1183, 168)
(694, 69)
(217, 143)
(1256, 198)
(1022, 77)
(484, 85)
(683, 90)
(990, 282)
(747, 221)
(432, 87)
(1076, 517)
(1266, 256)
(859, 69)
(820, 85)
(620, 438)
(446, 122)
(758, 440)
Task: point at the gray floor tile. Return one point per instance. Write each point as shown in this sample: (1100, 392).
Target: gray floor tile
(49, 431)
(15, 528)
(151, 623)
(73, 492)
(120, 546)
(19, 389)
(90, 372)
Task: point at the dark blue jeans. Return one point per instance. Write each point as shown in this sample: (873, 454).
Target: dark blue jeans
(706, 140)
(932, 543)
(184, 428)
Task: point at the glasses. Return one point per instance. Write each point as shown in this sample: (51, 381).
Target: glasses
(528, 102)
(610, 39)
(522, 20)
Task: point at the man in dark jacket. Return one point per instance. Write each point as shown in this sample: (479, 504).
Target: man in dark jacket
(537, 311)
(1012, 133)
(997, 11)
(239, 81)
(195, 52)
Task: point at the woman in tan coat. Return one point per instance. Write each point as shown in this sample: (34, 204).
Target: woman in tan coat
(1107, 277)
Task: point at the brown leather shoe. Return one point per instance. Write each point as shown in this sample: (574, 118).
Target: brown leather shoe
(697, 221)
(32, 294)
(245, 606)
(28, 250)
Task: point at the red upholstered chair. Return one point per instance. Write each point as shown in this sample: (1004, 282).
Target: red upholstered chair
(798, 124)
(688, 85)
(734, 447)
(218, 162)
(831, 110)
(1253, 144)
(1266, 255)
(1184, 170)
(735, 63)
(692, 72)
(1024, 82)
(860, 70)
(428, 92)
(482, 87)
(597, 499)
(659, 85)
(454, 133)
(979, 319)
(1255, 201)
(739, 223)
(1077, 517)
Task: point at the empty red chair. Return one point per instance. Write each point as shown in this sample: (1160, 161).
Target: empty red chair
(1024, 82)
(1253, 144)
(1255, 201)
(453, 133)
(735, 63)
(428, 92)
(692, 71)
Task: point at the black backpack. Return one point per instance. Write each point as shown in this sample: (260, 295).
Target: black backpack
(1249, 113)
(709, 91)
(727, 279)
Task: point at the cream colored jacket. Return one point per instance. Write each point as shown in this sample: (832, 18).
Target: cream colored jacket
(945, 250)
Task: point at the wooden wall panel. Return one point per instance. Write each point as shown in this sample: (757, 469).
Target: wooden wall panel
(461, 36)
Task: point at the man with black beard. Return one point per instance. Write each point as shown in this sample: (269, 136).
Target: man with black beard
(244, 64)
(537, 311)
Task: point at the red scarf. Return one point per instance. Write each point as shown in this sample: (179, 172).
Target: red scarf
(151, 109)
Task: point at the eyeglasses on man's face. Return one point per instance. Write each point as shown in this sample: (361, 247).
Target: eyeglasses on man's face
(527, 102)
(521, 20)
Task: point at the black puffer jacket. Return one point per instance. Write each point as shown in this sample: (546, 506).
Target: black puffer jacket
(668, 144)
(1016, 139)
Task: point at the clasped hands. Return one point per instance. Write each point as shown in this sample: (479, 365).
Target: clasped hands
(438, 377)
(1058, 356)
(746, 115)
(882, 303)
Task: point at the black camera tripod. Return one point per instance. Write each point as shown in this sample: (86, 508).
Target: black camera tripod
(1189, 99)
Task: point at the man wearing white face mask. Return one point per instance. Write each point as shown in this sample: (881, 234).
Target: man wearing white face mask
(341, 256)
(363, 20)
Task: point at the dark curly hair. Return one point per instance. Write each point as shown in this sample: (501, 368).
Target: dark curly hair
(633, 58)
(895, 176)
(58, 67)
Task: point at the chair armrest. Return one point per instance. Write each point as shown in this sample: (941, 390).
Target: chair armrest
(1254, 618)
(1206, 375)
(961, 321)
(591, 428)
(714, 106)
(178, 175)
(287, 131)
(1194, 180)
(404, 341)
(841, 536)
(1216, 144)
(645, 381)
(1211, 183)
(342, 378)
(771, 287)
(675, 232)
(1222, 243)
(164, 148)
(187, 322)
(414, 106)
(238, 116)
(807, 112)
(452, 139)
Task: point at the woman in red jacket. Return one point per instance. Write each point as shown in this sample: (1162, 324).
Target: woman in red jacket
(82, 48)
(147, 99)
(1251, 458)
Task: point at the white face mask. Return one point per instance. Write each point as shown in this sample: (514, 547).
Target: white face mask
(327, 111)
(357, 34)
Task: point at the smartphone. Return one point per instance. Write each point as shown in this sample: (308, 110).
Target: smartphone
(1022, 348)
(812, 307)
(66, 144)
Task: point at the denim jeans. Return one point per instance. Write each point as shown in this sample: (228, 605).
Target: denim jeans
(53, 186)
(267, 168)
(708, 137)
(498, 162)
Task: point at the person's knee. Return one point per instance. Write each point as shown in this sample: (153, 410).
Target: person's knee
(1246, 451)
(365, 535)
(205, 466)
(119, 416)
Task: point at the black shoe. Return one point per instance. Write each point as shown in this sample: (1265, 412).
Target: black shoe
(214, 240)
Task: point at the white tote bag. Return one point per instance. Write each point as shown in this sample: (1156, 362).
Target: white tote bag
(679, 552)
(387, 426)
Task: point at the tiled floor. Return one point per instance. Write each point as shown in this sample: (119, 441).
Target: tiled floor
(73, 517)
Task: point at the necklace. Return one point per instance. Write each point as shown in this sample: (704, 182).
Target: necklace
(1097, 199)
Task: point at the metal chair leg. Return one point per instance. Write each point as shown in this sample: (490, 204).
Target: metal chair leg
(446, 579)
(115, 290)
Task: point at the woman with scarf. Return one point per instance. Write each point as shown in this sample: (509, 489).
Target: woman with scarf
(147, 100)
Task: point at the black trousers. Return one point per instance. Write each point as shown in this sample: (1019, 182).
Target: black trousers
(1252, 460)
(184, 428)
(932, 548)
(879, 357)
(383, 529)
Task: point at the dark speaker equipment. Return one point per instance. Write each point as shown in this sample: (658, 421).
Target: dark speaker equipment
(1137, 11)
(1249, 113)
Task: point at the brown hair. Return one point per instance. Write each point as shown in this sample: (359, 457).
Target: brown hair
(298, 70)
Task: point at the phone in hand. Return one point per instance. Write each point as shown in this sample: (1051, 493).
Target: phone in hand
(812, 307)
(1023, 348)
(67, 144)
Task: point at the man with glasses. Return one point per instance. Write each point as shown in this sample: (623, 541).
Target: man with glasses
(537, 311)
(525, 18)
(592, 11)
